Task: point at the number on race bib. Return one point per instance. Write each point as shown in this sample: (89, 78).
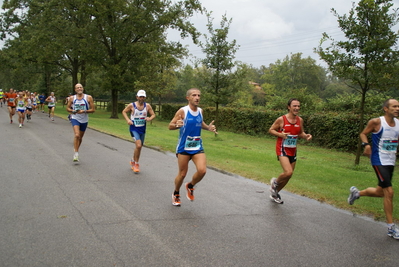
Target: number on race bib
(291, 141)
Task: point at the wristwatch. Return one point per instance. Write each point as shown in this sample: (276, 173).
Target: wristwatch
(365, 144)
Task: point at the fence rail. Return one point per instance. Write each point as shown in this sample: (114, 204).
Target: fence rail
(101, 103)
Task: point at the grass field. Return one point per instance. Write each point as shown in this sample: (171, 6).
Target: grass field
(321, 174)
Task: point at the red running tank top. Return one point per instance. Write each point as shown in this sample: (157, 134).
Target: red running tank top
(287, 147)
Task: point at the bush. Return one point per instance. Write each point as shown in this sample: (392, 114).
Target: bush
(337, 130)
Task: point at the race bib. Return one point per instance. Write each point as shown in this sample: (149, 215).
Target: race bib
(139, 122)
(192, 143)
(290, 142)
(389, 146)
(80, 107)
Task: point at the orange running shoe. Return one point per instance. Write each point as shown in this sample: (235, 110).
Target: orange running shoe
(190, 193)
(136, 168)
(175, 200)
(132, 164)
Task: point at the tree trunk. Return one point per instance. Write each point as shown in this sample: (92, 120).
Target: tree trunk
(361, 126)
(74, 73)
(83, 74)
(114, 104)
(47, 78)
(216, 115)
(159, 105)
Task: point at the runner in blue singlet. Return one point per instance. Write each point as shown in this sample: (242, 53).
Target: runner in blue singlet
(189, 121)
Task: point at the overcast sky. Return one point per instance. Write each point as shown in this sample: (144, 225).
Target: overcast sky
(268, 30)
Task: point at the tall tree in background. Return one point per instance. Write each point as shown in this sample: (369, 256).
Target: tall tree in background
(118, 35)
(219, 62)
(160, 77)
(52, 32)
(368, 57)
(293, 73)
(129, 32)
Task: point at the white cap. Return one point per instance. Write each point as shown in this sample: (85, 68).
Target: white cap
(141, 93)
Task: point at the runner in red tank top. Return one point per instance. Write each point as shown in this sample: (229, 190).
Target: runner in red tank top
(288, 128)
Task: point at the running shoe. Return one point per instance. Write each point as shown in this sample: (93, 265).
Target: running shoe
(190, 193)
(393, 232)
(273, 187)
(132, 164)
(276, 199)
(76, 157)
(11, 121)
(52, 119)
(20, 125)
(136, 168)
(175, 200)
(354, 194)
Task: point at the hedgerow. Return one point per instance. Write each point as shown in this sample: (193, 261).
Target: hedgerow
(336, 130)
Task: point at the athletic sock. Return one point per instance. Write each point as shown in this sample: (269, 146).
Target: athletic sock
(190, 186)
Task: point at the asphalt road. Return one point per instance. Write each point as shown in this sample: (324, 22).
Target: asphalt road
(99, 213)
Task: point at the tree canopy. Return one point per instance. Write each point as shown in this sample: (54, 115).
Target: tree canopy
(368, 58)
(120, 36)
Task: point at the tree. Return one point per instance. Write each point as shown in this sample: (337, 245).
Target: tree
(294, 73)
(129, 32)
(219, 62)
(186, 79)
(118, 35)
(56, 29)
(160, 77)
(367, 57)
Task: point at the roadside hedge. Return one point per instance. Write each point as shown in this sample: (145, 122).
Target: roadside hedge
(329, 129)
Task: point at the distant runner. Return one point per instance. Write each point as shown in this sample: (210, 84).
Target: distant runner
(51, 100)
(21, 108)
(1, 97)
(138, 111)
(11, 104)
(79, 106)
(42, 99)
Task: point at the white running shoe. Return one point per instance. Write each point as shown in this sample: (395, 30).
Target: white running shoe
(76, 157)
(354, 194)
(273, 187)
(393, 232)
(276, 199)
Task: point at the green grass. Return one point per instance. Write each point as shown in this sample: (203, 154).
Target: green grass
(321, 174)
